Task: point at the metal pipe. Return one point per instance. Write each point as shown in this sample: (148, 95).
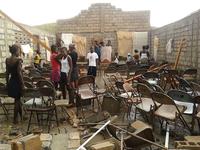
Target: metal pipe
(82, 146)
(167, 138)
(122, 140)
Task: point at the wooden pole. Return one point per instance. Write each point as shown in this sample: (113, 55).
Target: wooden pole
(155, 69)
(26, 31)
(179, 53)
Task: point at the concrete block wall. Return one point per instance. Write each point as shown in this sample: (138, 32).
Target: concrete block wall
(11, 34)
(103, 19)
(188, 28)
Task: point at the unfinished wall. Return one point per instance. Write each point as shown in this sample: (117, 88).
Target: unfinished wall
(188, 28)
(11, 34)
(102, 21)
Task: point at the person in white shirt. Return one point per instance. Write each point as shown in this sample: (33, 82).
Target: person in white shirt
(92, 59)
(66, 69)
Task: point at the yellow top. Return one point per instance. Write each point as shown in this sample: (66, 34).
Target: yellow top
(37, 59)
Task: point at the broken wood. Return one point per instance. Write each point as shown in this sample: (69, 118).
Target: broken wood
(179, 53)
(154, 69)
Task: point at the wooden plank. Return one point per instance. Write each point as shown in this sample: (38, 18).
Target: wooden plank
(179, 53)
(154, 69)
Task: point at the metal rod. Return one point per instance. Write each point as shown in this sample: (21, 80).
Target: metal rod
(82, 146)
(167, 138)
(122, 140)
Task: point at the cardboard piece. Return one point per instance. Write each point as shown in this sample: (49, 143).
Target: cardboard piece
(29, 142)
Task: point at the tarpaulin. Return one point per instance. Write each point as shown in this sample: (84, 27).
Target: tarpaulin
(125, 43)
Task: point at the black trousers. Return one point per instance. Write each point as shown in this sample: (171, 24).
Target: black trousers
(92, 70)
(63, 84)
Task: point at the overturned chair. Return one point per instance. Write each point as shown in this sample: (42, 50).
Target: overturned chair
(138, 128)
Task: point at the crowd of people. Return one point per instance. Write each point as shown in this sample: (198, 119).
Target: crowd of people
(64, 73)
(139, 58)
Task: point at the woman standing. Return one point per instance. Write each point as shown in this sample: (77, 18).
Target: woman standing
(66, 68)
(14, 79)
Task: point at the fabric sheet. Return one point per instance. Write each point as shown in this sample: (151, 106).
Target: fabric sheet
(67, 39)
(125, 43)
(106, 53)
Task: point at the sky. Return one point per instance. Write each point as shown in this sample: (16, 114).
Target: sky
(36, 12)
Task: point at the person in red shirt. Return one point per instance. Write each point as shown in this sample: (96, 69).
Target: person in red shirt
(55, 65)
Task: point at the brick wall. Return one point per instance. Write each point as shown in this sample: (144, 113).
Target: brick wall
(104, 20)
(188, 28)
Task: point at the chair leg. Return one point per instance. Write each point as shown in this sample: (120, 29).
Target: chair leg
(135, 117)
(98, 103)
(56, 115)
(49, 120)
(29, 122)
(185, 123)
(198, 123)
(4, 110)
(38, 120)
(175, 129)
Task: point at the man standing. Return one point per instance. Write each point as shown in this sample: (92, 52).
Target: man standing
(74, 73)
(92, 58)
